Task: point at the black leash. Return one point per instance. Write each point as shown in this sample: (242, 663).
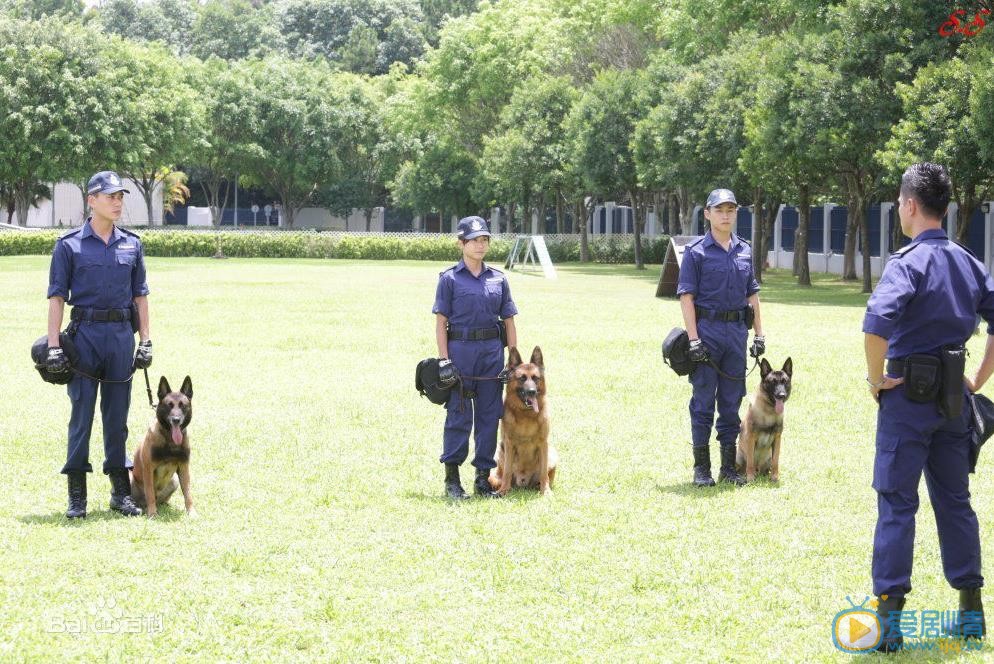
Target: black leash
(714, 366)
(148, 386)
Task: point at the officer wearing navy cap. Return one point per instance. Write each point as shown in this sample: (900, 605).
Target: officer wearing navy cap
(472, 303)
(716, 286)
(919, 318)
(99, 269)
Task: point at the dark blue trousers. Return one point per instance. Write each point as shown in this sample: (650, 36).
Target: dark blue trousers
(106, 350)
(481, 413)
(726, 344)
(913, 438)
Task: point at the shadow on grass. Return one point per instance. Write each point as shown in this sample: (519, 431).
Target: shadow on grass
(166, 514)
(515, 496)
(688, 489)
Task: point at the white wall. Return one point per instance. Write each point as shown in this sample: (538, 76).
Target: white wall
(68, 207)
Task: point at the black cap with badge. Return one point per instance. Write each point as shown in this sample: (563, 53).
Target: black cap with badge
(105, 182)
(719, 196)
(471, 227)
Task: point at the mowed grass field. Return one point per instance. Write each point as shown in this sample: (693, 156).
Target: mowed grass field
(323, 534)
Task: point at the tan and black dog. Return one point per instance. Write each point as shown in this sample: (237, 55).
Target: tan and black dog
(165, 451)
(759, 439)
(524, 457)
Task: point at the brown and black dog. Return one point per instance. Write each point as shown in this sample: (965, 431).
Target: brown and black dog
(759, 439)
(524, 457)
(165, 451)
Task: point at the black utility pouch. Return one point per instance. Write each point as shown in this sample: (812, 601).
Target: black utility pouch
(951, 391)
(134, 317)
(750, 315)
(922, 378)
(502, 328)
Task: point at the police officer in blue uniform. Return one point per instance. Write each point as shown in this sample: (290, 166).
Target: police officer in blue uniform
(99, 269)
(919, 317)
(472, 305)
(715, 286)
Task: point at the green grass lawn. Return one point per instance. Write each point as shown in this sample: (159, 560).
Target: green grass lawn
(323, 534)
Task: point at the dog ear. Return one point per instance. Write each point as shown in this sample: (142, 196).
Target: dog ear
(764, 368)
(513, 357)
(537, 357)
(163, 388)
(788, 368)
(187, 387)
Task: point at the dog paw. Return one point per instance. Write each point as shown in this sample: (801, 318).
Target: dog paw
(774, 478)
(192, 514)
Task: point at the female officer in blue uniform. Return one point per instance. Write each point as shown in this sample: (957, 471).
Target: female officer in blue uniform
(927, 300)
(99, 269)
(716, 283)
(471, 302)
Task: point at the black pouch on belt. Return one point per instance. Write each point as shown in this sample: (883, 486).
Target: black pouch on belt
(502, 328)
(922, 378)
(750, 315)
(134, 317)
(951, 391)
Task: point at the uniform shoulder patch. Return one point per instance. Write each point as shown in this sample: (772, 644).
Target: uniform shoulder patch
(906, 249)
(743, 240)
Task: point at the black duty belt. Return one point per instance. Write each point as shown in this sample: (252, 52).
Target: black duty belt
(480, 334)
(726, 316)
(895, 368)
(100, 315)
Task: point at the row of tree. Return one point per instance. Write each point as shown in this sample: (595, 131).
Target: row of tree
(532, 105)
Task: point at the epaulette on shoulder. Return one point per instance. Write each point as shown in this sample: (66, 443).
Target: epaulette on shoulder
(905, 250)
(966, 249)
(71, 231)
(696, 242)
(130, 232)
(448, 269)
(743, 240)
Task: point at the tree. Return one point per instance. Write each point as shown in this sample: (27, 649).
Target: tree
(234, 30)
(937, 126)
(786, 130)
(167, 21)
(160, 115)
(602, 132)
(50, 107)
(299, 121)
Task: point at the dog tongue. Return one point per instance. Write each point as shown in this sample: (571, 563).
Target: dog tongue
(177, 435)
(779, 406)
(535, 405)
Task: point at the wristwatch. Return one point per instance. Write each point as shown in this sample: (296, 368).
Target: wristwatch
(876, 386)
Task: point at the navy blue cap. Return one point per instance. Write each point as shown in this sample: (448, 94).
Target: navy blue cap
(471, 227)
(719, 196)
(105, 182)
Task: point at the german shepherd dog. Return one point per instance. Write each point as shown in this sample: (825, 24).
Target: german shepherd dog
(759, 439)
(165, 451)
(524, 457)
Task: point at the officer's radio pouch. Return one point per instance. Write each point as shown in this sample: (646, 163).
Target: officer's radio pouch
(502, 328)
(922, 378)
(676, 351)
(134, 317)
(750, 316)
(951, 392)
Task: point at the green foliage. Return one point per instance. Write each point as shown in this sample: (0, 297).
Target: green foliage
(309, 244)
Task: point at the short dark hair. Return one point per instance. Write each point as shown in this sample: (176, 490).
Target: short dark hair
(930, 185)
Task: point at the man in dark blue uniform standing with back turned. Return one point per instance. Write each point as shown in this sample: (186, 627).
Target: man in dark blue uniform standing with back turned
(99, 269)
(919, 318)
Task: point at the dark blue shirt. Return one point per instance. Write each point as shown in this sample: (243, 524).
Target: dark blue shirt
(473, 302)
(88, 273)
(719, 280)
(929, 296)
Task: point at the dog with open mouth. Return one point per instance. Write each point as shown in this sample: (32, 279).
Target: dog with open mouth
(759, 439)
(164, 453)
(524, 456)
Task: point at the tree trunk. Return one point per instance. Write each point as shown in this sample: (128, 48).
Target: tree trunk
(854, 225)
(369, 218)
(801, 243)
(559, 212)
(22, 196)
(581, 213)
(864, 239)
(687, 225)
(672, 214)
(963, 215)
(758, 257)
(638, 208)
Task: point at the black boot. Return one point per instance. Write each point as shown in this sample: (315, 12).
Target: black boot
(453, 489)
(77, 495)
(481, 486)
(702, 466)
(727, 473)
(890, 641)
(970, 625)
(120, 493)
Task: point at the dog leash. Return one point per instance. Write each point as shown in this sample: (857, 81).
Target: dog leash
(714, 366)
(148, 386)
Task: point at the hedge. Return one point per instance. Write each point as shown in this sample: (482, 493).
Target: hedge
(309, 244)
